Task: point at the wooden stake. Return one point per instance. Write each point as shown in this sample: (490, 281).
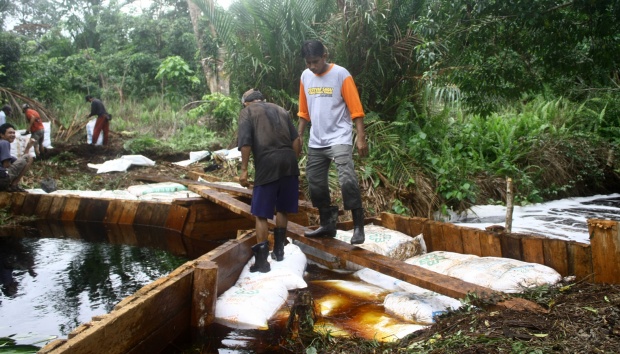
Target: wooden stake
(509, 206)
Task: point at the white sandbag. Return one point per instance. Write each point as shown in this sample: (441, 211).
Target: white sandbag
(289, 271)
(504, 274)
(108, 194)
(168, 197)
(386, 242)
(380, 326)
(331, 304)
(163, 187)
(500, 274)
(250, 307)
(419, 308)
(379, 279)
(439, 261)
(90, 127)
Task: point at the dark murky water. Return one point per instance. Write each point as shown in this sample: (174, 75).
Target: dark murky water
(52, 285)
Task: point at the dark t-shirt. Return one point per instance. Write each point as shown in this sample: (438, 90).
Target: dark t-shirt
(97, 108)
(5, 153)
(268, 129)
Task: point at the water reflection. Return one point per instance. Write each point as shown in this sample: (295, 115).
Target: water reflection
(51, 285)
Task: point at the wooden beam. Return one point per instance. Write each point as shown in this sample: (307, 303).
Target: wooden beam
(304, 205)
(442, 284)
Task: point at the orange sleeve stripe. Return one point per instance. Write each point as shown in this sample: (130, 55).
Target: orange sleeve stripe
(303, 103)
(352, 98)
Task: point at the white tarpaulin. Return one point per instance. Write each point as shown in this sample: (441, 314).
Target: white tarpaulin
(194, 156)
(122, 164)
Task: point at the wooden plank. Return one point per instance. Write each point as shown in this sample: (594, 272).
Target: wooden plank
(114, 212)
(204, 296)
(128, 213)
(579, 260)
(453, 242)
(177, 215)
(471, 241)
(30, 204)
(605, 243)
(533, 251)
(556, 256)
(6, 199)
(435, 231)
(138, 317)
(160, 215)
(58, 204)
(144, 213)
(162, 336)
(44, 206)
(511, 246)
(92, 210)
(70, 208)
(17, 202)
(233, 255)
(490, 245)
(234, 191)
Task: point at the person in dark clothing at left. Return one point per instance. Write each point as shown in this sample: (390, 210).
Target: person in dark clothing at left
(267, 133)
(102, 124)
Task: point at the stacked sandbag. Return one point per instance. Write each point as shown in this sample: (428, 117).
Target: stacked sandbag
(256, 297)
(371, 322)
(407, 301)
(500, 274)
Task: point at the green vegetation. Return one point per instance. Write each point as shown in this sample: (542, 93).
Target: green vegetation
(459, 95)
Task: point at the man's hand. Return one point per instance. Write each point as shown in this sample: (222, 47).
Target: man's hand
(362, 146)
(243, 179)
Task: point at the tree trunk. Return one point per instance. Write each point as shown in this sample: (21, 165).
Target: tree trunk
(212, 67)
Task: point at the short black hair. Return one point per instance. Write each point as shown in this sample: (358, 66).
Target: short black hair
(88, 97)
(312, 48)
(6, 107)
(4, 127)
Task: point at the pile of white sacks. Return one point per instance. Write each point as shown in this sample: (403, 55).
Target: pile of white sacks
(161, 192)
(256, 297)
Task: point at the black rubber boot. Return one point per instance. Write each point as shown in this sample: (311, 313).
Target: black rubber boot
(261, 252)
(358, 226)
(279, 237)
(328, 218)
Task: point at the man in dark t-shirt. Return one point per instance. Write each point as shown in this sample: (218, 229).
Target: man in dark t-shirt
(103, 119)
(267, 132)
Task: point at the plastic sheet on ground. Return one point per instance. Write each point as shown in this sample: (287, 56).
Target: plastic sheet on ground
(194, 156)
(256, 297)
(122, 164)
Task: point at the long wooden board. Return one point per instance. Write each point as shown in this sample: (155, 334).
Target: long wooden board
(235, 191)
(422, 277)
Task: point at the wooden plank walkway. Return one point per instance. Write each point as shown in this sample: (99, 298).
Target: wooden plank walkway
(419, 276)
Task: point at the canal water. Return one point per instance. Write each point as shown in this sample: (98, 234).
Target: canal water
(563, 219)
(52, 281)
(52, 285)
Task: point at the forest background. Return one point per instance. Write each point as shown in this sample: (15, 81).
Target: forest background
(460, 94)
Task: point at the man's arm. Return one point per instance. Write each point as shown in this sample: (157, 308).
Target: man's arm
(362, 147)
(245, 158)
(6, 163)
